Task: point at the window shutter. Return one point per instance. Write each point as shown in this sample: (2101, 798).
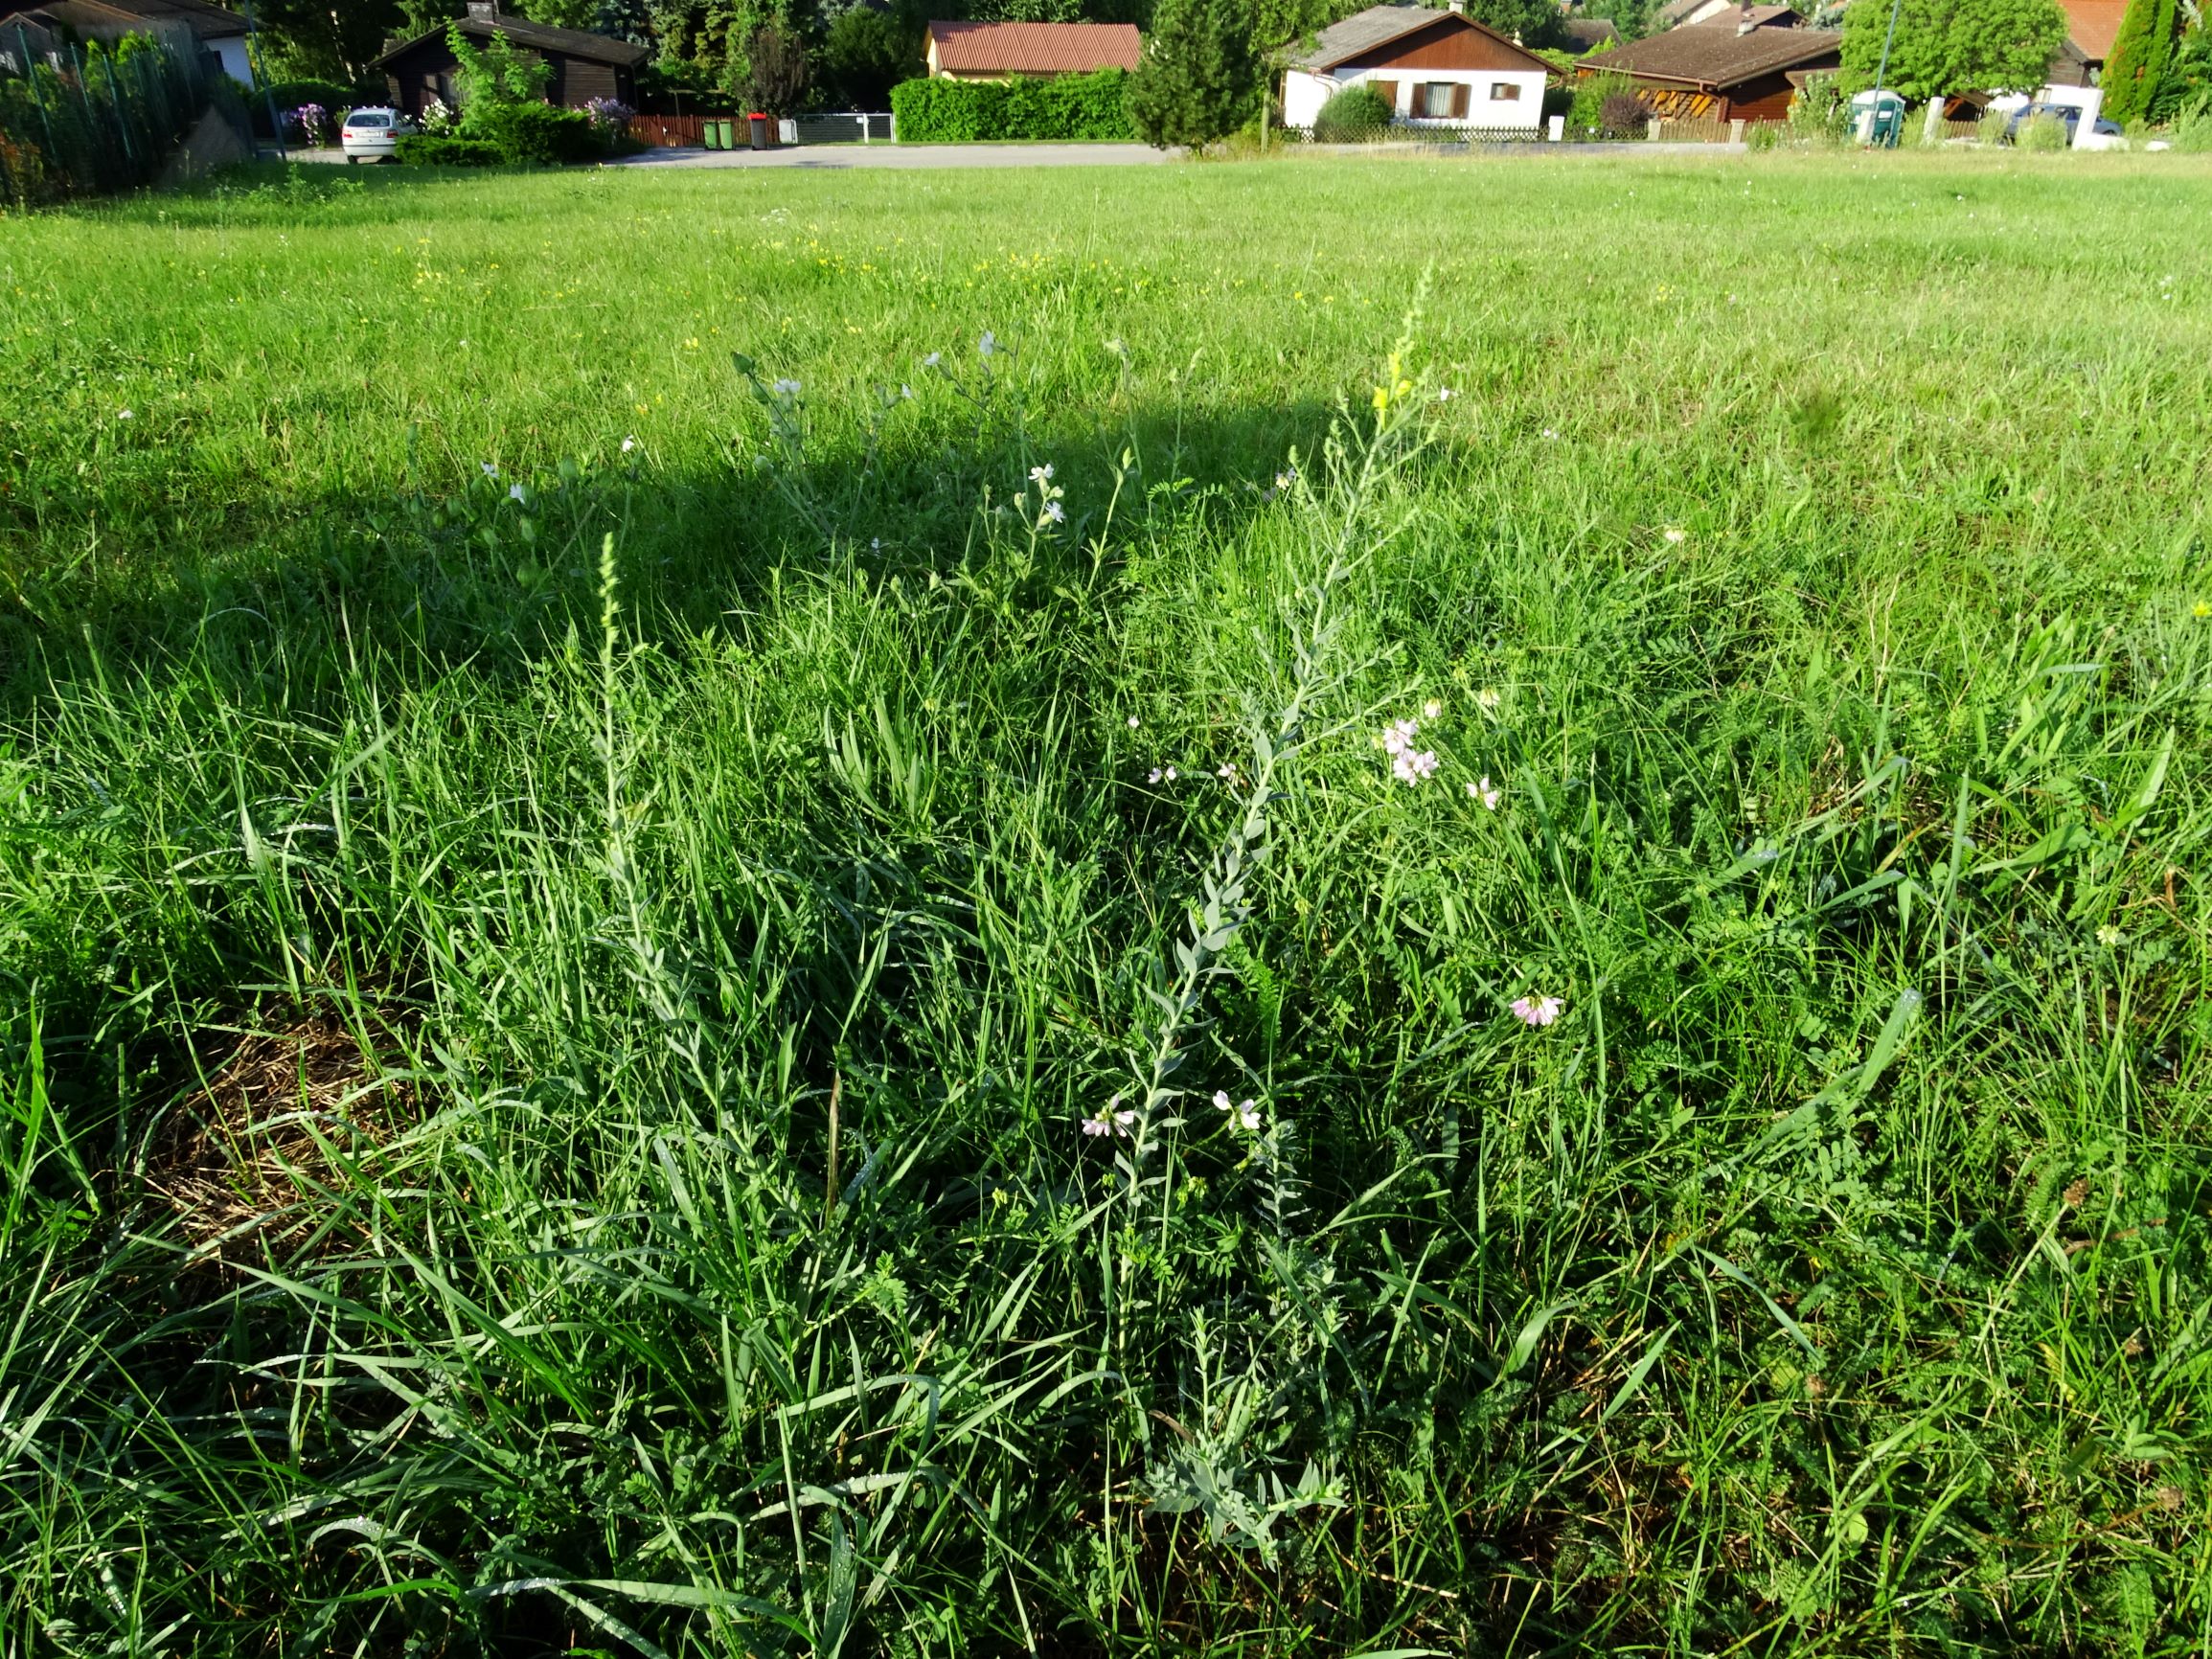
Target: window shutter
(1389, 91)
(1459, 101)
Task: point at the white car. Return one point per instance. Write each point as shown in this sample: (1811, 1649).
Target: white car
(373, 134)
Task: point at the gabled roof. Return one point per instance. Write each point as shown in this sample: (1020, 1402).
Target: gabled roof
(2092, 26)
(538, 36)
(1713, 55)
(1035, 48)
(1369, 31)
(206, 21)
(101, 19)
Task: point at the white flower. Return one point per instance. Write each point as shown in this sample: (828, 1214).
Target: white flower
(2108, 935)
(123, 415)
(1171, 774)
(1414, 765)
(515, 492)
(628, 444)
(1537, 1010)
(933, 359)
(1286, 478)
(1041, 474)
(1153, 777)
(1486, 699)
(1110, 1120)
(1132, 722)
(1675, 534)
(785, 388)
(1055, 512)
(1397, 736)
(1432, 709)
(489, 470)
(988, 346)
(1485, 792)
(1246, 1114)
(905, 391)
(874, 544)
(1444, 394)
(1549, 433)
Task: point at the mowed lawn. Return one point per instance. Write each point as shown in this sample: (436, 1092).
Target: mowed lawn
(1326, 907)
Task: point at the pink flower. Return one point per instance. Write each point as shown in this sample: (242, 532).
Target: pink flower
(1537, 1010)
(1487, 792)
(1245, 1114)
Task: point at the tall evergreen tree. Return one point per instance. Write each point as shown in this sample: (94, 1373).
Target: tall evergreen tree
(1199, 74)
(2139, 62)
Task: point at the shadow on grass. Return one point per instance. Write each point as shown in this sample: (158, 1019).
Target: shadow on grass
(451, 569)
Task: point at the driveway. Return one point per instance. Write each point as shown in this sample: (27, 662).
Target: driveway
(835, 156)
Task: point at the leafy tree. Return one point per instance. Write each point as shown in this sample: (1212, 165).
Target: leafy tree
(1947, 46)
(314, 39)
(1631, 17)
(493, 77)
(1533, 23)
(776, 69)
(1199, 77)
(2133, 73)
(560, 13)
(867, 52)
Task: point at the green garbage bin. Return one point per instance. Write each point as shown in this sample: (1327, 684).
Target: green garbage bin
(1877, 119)
(711, 134)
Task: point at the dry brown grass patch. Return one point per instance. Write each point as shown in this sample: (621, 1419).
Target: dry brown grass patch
(250, 1160)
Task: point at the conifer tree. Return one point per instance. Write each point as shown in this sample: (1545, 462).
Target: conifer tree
(1200, 73)
(2138, 61)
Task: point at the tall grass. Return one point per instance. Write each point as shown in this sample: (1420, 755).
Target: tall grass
(631, 1066)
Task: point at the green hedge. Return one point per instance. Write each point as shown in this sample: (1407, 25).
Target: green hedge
(428, 149)
(1091, 106)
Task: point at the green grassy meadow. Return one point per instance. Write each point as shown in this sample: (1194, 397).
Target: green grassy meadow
(620, 923)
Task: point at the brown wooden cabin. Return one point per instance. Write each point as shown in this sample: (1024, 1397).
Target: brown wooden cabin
(1720, 71)
(584, 66)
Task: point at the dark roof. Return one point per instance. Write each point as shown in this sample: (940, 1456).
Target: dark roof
(1711, 55)
(1377, 27)
(965, 47)
(103, 19)
(538, 37)
(208, 22)
(1589, 33)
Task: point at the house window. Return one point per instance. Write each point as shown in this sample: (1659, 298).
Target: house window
(1505, 92)
(1432, 100)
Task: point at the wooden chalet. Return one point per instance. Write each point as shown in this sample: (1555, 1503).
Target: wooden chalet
(1720, 71)
(584, 66)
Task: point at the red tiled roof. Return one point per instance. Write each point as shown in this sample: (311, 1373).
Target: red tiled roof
(1035, 48)
(2093, 25)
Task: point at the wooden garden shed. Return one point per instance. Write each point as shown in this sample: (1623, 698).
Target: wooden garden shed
(584, 66)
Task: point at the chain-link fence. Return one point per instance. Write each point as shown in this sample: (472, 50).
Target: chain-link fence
(86, 118)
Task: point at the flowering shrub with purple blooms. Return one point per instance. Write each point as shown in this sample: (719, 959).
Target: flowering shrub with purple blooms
(311, 121)
(608, 114)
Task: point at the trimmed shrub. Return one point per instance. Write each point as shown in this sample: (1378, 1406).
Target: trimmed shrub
(1091, 107)
(429, 149)
(534, 134)
(1355, 113)
(1586, 115)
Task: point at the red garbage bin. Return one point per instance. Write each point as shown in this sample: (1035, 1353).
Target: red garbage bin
(764, 131)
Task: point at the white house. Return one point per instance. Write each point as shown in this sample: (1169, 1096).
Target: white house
(1435, 68)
